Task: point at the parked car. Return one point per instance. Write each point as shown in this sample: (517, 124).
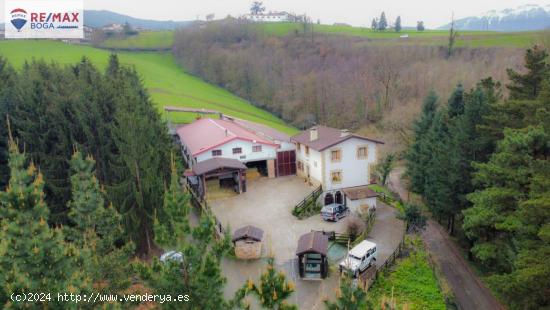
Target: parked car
(334, 212)
(171, 256)
(361, 257)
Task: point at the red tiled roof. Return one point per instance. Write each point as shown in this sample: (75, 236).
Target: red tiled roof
(326, 137)
(206, 134)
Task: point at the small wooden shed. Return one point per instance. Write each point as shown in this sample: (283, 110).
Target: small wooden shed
(248, 242)
(312, 255)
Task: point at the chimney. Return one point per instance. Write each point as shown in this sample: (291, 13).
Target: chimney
(313, 134)
(344, 133)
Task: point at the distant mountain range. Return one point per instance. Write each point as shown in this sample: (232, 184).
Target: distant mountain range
(96, 19)
(523, 18)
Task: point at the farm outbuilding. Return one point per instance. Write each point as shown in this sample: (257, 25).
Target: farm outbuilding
(360, 199)
(312, 256)
(248, 242)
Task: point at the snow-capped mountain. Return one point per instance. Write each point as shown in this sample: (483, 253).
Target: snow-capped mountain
(523, 18)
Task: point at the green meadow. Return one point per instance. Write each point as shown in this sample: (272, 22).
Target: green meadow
(167, 82)
(435, 37)
(143, 40)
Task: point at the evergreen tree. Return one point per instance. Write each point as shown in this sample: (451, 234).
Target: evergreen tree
(456, 102)
(496, 221)
(382, 22)
(8, 91)
(374, 24)
(33, 257)
(198, 272)
(528, 85)
(398, 24)
(272, 291)
(420, 26)
(348, 296)
(416, 156)
(97, 229)
(385, 167)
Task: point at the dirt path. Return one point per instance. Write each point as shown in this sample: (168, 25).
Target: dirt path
(469, 292)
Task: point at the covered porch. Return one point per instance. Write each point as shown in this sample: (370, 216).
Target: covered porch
(226, 172)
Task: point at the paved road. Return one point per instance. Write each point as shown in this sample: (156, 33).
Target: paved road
(469, 291)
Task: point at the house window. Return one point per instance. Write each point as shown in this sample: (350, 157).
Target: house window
(256, 148)
(237, 150)
(216, 152)
(336, 155)
(307, 150)
(298, 147)
(336, 176)
(300, 166)
(362, 152)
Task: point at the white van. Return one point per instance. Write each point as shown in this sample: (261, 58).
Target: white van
(359, 258)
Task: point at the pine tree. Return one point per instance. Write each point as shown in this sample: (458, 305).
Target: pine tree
(33, 256)
(374, 24)
(416, 156)
(398, 24)
(97, 229)
(420, 26)
(456, 102)
(348, 296)
(199, 272)
(273, 290)
(8, 91)
(383, 22)
(528, 85)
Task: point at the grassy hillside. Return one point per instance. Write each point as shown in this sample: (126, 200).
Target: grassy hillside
(143, 40)
(167, 83)
(466, 38)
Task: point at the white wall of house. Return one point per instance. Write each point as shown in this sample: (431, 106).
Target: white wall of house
(355, 172)
(268, 151)
(356, 205)
(314, 161)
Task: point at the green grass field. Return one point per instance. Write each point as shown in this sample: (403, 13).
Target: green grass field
(435, 37)
(411, 282)
(167, 83)
(143, 40)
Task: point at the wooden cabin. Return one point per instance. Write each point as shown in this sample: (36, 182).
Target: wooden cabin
(248, 242)
(312, 256)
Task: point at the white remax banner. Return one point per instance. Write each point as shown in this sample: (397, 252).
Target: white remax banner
(58, 19)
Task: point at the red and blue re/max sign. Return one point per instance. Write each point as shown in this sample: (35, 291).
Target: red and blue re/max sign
(54, 17)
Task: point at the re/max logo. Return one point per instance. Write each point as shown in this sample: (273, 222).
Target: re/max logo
(54, 17)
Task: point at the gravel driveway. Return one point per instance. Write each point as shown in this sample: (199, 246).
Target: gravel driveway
(267, 204)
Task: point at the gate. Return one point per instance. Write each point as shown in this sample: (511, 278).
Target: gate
(286, 163)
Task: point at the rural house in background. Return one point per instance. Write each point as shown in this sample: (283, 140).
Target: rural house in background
(335, 159)
(271, 17)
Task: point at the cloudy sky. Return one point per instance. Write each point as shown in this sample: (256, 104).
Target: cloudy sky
(356, 12)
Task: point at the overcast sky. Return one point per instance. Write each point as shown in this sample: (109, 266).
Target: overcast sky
(356, 12)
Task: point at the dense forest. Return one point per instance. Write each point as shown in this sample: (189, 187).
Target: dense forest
(54, 110)
(483, 160)
(337, 80)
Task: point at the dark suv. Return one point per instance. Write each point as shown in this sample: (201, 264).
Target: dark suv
(334, 212)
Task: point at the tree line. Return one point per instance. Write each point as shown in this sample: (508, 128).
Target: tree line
(55, 109)
(338, 81)
(483, 160)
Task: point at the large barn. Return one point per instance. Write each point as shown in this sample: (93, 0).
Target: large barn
(225, 148)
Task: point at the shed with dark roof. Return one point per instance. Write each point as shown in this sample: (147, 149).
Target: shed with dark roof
(360, 198)
(248, 242)
(312, 255)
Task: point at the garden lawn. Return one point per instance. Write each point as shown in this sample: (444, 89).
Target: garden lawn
(411, 281)
(166, 81)
(143, 40)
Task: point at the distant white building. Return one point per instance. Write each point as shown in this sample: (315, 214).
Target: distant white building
(335, 159)
(271, 17)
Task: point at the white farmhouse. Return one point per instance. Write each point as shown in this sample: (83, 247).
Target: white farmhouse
(271, 17)
(336, 160)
